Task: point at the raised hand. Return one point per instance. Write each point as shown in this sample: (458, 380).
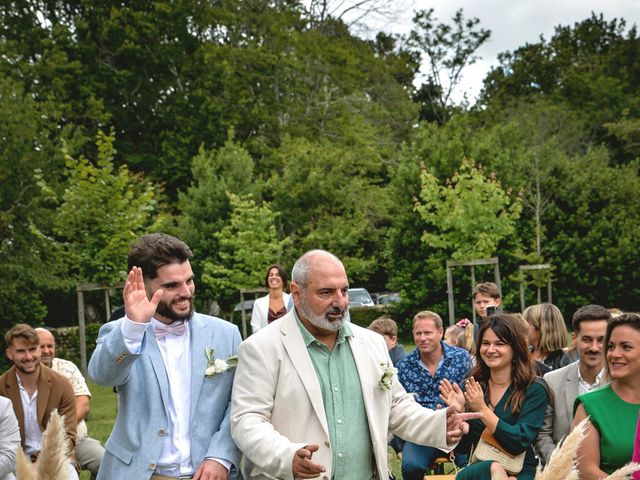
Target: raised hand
(474, 396)
(452, 395)
(137, 306)
(302, 465)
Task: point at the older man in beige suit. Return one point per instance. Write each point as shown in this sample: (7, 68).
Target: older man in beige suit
(566, 383)
(315, 396)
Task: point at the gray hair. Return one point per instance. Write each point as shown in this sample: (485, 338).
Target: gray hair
(302, 268)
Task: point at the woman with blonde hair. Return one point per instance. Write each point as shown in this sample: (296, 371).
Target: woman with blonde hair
(548, 336)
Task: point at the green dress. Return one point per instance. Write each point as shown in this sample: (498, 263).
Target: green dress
(515, 432)
(615, 420)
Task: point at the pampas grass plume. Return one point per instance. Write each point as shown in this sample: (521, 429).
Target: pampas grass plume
(562, 463)
(624, 472)
(54, 460)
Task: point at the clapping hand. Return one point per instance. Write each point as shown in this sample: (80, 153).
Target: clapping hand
(474, 396)
(137, 305)
(452, 395)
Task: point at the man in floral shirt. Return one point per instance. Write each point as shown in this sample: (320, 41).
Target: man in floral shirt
(420, 373)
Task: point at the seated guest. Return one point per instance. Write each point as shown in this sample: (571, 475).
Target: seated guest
(388, 328)
(35, 390)
(420, 373)
(503, 387)
(566, 383)
(9, 440)
(460, 335)
(612, 409)
(547, 334)
(89, 451)
(276, 303)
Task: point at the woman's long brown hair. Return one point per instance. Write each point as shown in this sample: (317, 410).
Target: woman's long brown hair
(507, 328)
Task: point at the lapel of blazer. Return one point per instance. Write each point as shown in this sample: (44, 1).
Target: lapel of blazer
(360, 352)
(571, 389)
(13, 393)
(157, 363)
(301, 360)
(200, 335)
(45, 384)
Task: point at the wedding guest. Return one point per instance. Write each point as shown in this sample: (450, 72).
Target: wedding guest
(276, 303)
(548, 335)
(460, 335)
(9, 440)
(612, 409)
(511, 400)
(388, 328)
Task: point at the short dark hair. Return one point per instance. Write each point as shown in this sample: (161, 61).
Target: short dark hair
(589, 313)
(283, 275)
(24, 332)
(489, 289)
(157, 250)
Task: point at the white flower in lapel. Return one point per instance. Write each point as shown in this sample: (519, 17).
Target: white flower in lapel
(387, 376)
(217, 365)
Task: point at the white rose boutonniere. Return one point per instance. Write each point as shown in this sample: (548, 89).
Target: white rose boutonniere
(217, 365)
(387, 376)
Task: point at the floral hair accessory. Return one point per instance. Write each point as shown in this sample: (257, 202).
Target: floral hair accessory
(462, 323)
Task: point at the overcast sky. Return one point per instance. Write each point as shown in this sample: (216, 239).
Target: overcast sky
(513, 23)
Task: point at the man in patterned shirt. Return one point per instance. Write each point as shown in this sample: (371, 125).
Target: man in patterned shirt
(420, 373)
(89, 451)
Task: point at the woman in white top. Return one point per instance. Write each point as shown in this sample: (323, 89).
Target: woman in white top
(274, 305)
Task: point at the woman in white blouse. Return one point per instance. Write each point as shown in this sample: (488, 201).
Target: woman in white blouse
(274, 305)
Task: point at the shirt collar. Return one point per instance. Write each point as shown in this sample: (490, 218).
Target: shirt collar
(344, 331)
(596, 383)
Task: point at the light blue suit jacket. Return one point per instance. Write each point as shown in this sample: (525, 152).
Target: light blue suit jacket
(134, 446)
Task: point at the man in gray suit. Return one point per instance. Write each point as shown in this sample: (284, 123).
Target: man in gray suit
(566, 383)
(174, 371)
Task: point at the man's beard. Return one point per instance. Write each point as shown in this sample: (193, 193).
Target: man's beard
(46, 361)
(321, 321)
(164, 309)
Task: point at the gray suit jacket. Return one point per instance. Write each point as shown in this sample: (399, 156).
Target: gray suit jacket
(135, 443)
(9, 440)
(559, 415)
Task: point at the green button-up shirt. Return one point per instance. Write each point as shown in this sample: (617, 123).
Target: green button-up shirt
(352, 454)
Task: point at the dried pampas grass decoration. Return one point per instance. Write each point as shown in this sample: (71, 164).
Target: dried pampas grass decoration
(54, 460)
(564, 459)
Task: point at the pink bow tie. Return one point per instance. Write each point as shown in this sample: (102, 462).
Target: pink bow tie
(162, 330)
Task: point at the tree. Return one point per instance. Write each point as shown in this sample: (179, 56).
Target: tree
(102, 211)
(469, 216)
(248, 244)
(449, 49)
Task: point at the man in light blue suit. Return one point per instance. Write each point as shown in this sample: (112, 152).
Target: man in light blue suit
(173, 372)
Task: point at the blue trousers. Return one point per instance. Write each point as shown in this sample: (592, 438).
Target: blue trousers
(416, 460)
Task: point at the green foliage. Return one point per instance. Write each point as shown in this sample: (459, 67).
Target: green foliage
(103, 210)
(449, 49)
(68, 342)
(247, 246)
(468, 216)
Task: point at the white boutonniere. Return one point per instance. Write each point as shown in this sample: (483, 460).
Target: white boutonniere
(217, 365)
(387, 376)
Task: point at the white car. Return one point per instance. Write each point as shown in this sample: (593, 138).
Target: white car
(360, 297)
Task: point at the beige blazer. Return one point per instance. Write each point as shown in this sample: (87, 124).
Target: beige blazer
(277, 404)
(563, 382)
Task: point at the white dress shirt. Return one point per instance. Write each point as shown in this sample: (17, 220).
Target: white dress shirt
(32, 433)
(584, 386)
(175, 457)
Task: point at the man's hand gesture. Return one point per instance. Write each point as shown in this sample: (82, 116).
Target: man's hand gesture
(137, 306)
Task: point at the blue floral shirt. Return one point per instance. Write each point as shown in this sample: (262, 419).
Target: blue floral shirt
(416, 378)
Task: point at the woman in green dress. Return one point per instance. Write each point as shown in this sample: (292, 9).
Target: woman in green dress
(612, 409)
(503, 388)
